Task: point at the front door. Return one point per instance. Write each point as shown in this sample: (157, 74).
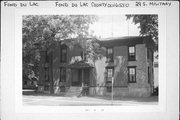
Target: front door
(83, 76)
(76, 80)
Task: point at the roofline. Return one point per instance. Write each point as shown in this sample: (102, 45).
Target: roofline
(125, 41)
(120, 41)
(122, 38)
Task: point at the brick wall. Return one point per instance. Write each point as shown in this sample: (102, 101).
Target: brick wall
(122, 87)
(141, 87)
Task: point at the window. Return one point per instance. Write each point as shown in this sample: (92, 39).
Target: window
(62, 75)
(109, 55)
(63, 54)
(109, 74)
(83, 56)
(131, 53)
(46, 74)
(132, 74)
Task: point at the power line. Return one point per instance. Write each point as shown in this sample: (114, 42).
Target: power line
(112, 27)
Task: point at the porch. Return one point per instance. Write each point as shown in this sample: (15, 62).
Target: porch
(80, 73)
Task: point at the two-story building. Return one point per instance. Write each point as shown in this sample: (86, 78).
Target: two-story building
(126, 65)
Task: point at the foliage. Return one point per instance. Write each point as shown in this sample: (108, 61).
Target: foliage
(148, 25)
(93, 50)
(41, 31)
(46, 29)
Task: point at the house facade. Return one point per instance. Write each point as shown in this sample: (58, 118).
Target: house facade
(125, 69)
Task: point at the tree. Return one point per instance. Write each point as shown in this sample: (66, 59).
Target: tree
(148, 25)
(46, 30)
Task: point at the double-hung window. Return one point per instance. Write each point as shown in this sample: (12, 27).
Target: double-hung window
(110, 72)
(132, 74)
(63, 54)
(109, 55)
(83, 56)
(131, 53)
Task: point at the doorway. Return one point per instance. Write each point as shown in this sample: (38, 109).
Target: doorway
(80, 76)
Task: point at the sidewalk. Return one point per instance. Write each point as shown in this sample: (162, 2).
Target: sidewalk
(86, 100)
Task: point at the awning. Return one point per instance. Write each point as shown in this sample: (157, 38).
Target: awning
(80, 65)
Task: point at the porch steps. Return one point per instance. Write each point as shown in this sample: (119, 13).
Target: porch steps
(73, 91)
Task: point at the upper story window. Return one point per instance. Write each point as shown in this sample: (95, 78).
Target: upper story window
(63, 54)
(109, 55)
(131, 53)
(83, 55)
(132, 74)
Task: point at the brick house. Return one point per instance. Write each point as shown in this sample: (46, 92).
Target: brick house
(128, 61)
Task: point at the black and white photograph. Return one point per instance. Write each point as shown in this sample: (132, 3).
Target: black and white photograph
(86, 60)
(89, 60)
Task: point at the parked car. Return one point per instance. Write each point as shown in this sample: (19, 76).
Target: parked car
(155, 91)
(30, 83)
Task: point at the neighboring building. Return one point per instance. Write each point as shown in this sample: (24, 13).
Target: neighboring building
(156, 81)
(128, 60)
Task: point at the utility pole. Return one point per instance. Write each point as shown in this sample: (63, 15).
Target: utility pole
(112, 27)
(112, 91)
(128, 27)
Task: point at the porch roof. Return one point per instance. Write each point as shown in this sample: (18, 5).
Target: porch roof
(80, 65)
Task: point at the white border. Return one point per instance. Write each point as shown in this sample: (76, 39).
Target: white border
(8, 90)
(161, 107)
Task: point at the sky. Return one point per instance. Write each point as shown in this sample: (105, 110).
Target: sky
(114, 26)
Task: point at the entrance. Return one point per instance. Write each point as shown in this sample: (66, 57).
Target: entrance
(80, 76)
